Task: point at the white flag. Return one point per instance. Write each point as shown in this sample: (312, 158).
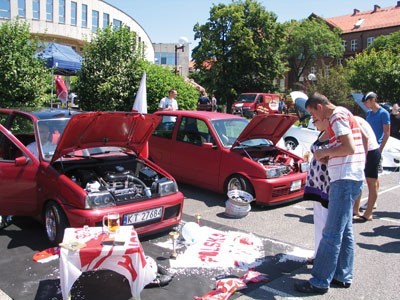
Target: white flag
(140, 104)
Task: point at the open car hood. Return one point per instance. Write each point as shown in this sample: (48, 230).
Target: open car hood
(106, 129)
(269, 126)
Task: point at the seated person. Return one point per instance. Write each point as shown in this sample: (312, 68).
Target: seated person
(45, 138)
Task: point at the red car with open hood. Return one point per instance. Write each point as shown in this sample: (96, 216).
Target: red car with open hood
(223, 152)
(86, 166)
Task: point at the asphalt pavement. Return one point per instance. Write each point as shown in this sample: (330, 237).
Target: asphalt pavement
(285, 230)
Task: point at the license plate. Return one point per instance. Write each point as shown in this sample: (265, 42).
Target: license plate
(295, 185)
(142, 216)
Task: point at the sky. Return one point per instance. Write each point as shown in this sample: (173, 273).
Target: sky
(166, 21)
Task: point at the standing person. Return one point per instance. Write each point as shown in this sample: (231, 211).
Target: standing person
(379, 119)
(169, 102)
(204, 98)
(333, 263)
(317, 184)
(370, 171)
(214, 103)
(282, 105)
(395, 121)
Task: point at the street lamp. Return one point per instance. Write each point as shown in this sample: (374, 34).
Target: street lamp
(182, 41)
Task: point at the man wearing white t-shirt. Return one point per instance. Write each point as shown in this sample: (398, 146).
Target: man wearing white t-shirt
(169, 102)
(333, 263)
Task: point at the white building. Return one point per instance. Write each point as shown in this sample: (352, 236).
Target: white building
(71, 22)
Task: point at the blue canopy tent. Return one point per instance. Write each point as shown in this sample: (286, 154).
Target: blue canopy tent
(62, 58)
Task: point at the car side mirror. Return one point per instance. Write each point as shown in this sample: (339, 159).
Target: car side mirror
(21, 161)
(207, 145)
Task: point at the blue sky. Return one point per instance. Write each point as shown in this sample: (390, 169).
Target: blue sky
(165, 21)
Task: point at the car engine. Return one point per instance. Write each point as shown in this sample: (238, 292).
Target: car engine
(118, 183)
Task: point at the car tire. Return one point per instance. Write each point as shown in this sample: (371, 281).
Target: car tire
(291, 143)
(55, 222)
(238, 182)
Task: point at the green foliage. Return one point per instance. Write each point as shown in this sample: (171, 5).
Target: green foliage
(23, 78)
(111, 71)
(389, 42)
(307, 41)
(377, 71)
(160, 80)
(335, 86)
(239, 49)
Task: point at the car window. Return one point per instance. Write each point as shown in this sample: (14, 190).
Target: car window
(166, 127)
(194, 131)
(21, 125)
(3, 118)
(228, 130)
(8, 150)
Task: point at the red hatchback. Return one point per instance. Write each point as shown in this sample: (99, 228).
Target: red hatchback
(82, 167)
(222, 152)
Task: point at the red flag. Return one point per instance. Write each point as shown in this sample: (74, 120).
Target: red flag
(61, 89)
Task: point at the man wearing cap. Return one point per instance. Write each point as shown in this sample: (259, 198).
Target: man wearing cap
(379, 119)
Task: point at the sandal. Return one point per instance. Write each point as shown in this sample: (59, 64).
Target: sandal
(361, 219)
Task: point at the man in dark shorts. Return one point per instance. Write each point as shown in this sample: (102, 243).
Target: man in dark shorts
(371, 173)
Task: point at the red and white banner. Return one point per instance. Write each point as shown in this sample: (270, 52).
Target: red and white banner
(222, 249)
(61, 89)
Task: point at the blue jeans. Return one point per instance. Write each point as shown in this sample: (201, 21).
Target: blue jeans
(335, 255)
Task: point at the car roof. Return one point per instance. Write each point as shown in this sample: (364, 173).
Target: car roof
(46, 113)
(199, 114)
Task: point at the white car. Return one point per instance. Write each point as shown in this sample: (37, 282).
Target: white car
(298, 139)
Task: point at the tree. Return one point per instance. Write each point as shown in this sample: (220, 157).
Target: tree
(335, 86)
(308, 41)
(160, 80)
(239, 49)
(389, 42)
(24, 79)
(377, 71)
(111, 71)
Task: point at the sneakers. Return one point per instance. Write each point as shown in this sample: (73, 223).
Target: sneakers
(307, 288)
(340, 284)
(365, 205)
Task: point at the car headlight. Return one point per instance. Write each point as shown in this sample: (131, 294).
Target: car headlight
(166, 187)
(99, 199)
(276, 172)
(304, 166)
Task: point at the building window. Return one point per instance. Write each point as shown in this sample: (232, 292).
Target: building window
(49, 10)
(61, 11)
(21, 8)
(163, 60)
(117, 24)
(106, 20)
(74, 13)
(84, 15)
(370, 40)
(353, 46)
(95, 20)
(344, 44)
(36, 9)
(313, 70)
(339, 61)
(5, 9)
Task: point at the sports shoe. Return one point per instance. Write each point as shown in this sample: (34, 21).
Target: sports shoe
(340, 284)
(308, 288)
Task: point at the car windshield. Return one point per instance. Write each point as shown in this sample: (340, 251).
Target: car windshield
(49, 134)
(228, 130)
(243, 98)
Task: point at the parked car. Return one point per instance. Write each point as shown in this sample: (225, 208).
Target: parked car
(94, 166)
(250, 104)
(222, 152)
(298, 140)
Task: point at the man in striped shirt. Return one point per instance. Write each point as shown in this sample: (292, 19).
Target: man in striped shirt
(333, 264)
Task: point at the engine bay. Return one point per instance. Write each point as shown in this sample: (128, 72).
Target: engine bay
(272, 157)
(126, 180)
